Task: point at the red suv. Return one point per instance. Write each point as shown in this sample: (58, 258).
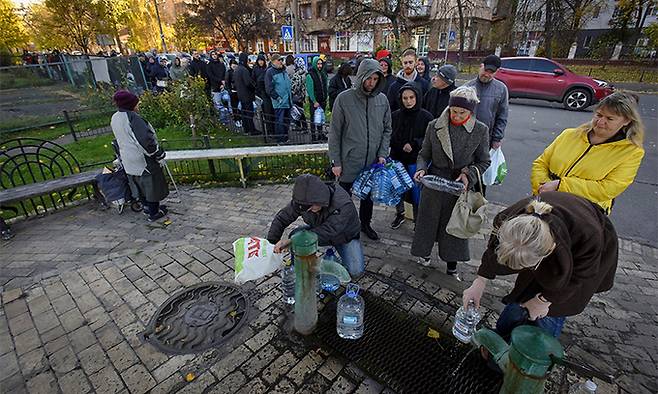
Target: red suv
(545, 79)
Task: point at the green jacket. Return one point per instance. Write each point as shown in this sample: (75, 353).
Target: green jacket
(360, 129)
(317, 83)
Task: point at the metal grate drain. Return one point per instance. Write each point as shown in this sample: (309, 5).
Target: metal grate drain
(197, 318)
(396, 350)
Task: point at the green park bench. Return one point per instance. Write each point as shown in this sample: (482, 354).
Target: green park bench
(39, 175)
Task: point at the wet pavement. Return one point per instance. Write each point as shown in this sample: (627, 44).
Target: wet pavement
(80, 285)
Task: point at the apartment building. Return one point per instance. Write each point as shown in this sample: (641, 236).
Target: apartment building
(528, 30)
(432, 25)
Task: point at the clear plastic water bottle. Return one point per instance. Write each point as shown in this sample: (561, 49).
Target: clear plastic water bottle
(288, 281)
(586, 387)
(350, 314)
(326, 281)
(465, 322)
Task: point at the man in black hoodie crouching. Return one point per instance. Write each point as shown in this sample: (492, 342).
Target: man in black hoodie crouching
(330, 213)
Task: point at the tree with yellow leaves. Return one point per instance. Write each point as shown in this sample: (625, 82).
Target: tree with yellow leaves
(12, 31)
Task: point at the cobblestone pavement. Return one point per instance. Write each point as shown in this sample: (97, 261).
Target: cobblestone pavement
(78, 286)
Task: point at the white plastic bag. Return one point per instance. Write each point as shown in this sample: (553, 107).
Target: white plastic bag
(495, 174)
(254, 258)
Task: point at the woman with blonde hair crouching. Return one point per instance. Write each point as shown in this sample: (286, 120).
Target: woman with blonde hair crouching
(564, 250)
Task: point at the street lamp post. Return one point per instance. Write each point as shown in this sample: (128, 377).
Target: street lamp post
(162, 36)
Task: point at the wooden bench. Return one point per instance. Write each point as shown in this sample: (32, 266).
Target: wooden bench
(241, 153)
(39, 171)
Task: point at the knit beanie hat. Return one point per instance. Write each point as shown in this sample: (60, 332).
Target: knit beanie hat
(123, 99)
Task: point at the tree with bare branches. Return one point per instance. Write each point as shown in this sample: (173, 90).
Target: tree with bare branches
(239, 20)
(400, 14)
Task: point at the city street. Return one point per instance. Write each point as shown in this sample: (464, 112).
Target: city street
(534, 124)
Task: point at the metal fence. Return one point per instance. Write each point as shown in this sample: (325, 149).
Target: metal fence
(88, 123)
(293, 131)
(79, 71)
(273, 169)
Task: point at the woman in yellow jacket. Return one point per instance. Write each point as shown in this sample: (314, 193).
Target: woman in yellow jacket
(597, 160)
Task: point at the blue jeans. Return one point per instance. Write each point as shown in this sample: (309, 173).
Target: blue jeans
(514, 315)
(351, 254)
(282, 119)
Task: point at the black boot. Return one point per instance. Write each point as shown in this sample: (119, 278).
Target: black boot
(370, 233)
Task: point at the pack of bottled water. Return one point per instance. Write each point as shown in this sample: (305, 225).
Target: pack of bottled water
(384, 182)
(362, 184)
(402, 174)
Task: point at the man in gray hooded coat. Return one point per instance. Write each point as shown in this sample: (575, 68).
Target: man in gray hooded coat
(360, 132)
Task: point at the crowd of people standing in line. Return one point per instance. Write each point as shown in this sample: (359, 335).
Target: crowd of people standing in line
(560, 242)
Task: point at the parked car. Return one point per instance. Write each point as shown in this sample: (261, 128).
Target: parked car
(545, 79)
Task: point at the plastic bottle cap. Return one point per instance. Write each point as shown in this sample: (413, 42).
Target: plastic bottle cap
(591, 386)
(352, 290)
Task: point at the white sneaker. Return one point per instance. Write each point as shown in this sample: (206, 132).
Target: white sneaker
(424, 261)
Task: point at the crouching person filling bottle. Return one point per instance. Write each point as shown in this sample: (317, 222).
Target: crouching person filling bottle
(140, 153)
(564, 250)
(329, 212)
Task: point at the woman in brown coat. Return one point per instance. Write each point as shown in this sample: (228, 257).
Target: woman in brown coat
(564, 250)
(456, 147)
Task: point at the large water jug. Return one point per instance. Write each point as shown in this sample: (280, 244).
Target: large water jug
(466, 321)
(331, 273)
(350, 314)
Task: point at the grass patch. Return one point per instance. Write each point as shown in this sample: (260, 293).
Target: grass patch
(617, 73)
(90, 122)
(17, 79)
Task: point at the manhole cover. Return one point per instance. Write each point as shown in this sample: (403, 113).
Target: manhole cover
(197, 318)
(396, 350)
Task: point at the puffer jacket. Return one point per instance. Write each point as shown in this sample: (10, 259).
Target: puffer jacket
(337, 223)
(360, 129)
(598, 173)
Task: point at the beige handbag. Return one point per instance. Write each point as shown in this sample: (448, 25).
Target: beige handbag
(469, 213)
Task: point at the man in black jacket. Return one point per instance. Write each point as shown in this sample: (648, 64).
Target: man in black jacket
(407, 74)
(443, 82)
(216, 71)
(197, 68)
(246, 88)
(330, 213)
(259, 70)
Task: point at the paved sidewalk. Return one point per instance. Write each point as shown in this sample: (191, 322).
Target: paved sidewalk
(80, 284)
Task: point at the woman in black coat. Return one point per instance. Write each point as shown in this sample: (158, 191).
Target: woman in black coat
(340, 82)
(409, 124)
